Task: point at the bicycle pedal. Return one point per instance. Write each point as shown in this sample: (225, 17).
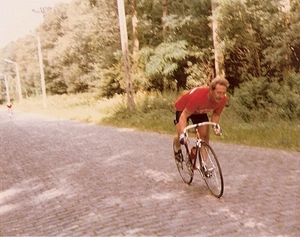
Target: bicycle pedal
(208, 174)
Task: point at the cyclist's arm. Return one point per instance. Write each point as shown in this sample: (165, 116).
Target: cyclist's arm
(215, 118)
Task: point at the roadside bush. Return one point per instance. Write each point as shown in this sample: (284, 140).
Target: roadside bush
(153, 111)
(263, 99)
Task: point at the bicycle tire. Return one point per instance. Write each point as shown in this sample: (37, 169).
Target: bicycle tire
(213, 178)
(184, 166)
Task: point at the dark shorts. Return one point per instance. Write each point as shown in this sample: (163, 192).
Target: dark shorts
(196, 118)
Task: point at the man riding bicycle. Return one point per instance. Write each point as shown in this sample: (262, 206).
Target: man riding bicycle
(194, 105)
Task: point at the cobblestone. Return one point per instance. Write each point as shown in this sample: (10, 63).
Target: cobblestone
(65, 178)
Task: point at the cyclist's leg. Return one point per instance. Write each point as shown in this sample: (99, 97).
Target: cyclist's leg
(204, 135)
(184, 165)
(181, 155)
(203, 130)
(176, 138)
(176, 144)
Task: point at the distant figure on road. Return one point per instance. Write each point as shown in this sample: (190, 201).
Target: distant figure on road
(195, 104)
(9, 109)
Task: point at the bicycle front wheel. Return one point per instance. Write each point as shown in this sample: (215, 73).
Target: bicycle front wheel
(184, 165)
(211, 172)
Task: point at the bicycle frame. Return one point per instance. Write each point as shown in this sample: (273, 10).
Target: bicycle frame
(198, 141)
(209, 166)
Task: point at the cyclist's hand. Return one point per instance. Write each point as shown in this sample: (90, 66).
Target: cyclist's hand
(182, 139)
(217, 130)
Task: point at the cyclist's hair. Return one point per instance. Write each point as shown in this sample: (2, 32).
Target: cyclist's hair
(218, 81)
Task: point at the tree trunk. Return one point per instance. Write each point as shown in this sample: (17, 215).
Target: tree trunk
(219, 57)
(124, 42)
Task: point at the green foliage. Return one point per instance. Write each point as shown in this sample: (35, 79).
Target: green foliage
(164, 58)
(263, 99)
(256, 37)
(152, 110)
(186, 20)
(169, 66)
(114, 83)
(199, 68)
(175, 66)
(164, 62)
(76, 41)
(82, 52)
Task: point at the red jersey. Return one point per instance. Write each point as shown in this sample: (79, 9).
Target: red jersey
(196, 101)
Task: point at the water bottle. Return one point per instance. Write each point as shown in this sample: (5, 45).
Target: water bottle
(193, 153)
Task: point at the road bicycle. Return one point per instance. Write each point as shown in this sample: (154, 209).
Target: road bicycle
(200, 157)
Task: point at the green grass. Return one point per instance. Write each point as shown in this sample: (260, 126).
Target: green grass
(272, 135)
(155, 112)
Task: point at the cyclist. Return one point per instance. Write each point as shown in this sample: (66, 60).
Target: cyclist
(194, 105)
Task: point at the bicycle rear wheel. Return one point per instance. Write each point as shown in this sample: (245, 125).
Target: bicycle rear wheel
(212, 173)
(184, 165)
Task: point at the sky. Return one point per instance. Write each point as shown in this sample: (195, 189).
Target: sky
(17, 18)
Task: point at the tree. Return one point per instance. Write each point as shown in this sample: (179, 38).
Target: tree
(134, 21)
(181, 21)
(170, 45)
(84, 35)
(251, 32)
(219, 58)
(164, 16)
(125, 53)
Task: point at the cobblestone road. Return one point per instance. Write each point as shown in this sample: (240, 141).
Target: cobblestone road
(64, 178)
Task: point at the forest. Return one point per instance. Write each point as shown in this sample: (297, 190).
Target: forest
(173, 46)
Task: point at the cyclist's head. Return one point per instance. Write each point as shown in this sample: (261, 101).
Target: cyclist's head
(218, 88)
(218, 81)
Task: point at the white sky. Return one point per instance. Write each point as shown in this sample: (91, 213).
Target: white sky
(17, 18)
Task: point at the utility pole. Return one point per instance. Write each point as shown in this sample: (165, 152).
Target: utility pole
(42, 10)
(18, 79)
(124, 43)
(42, 72)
